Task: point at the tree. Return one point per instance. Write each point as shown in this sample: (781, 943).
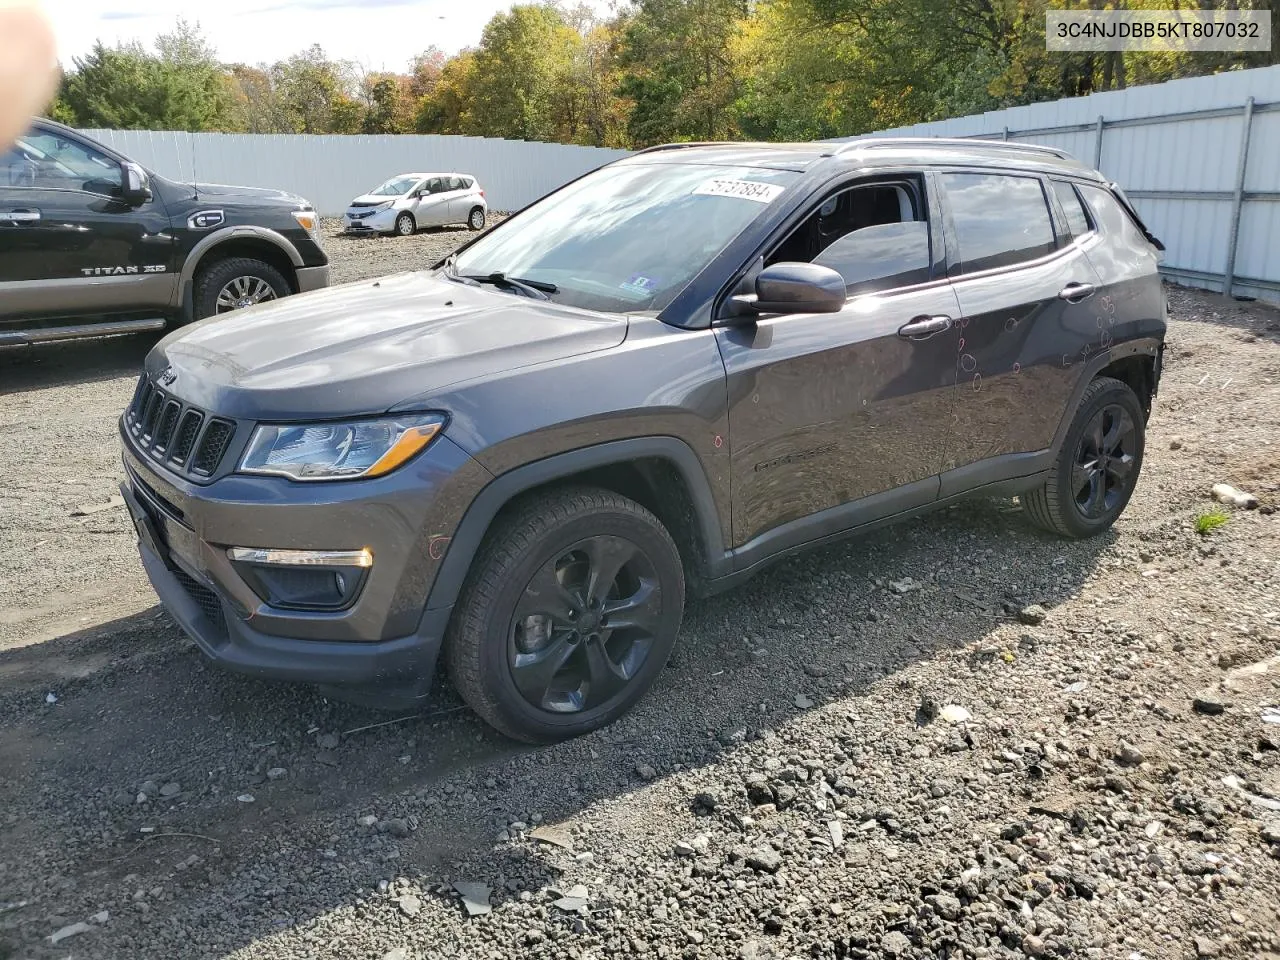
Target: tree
(521, 70)
(447, 108)
(677, 69)
(317, 93)
(388, 104)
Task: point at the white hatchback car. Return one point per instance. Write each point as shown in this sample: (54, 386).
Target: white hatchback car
(411, 201)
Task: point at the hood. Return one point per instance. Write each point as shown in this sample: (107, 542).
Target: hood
(371, 200)
(361, 348)
(224, 192)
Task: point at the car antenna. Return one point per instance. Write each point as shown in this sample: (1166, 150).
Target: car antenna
(195, 184)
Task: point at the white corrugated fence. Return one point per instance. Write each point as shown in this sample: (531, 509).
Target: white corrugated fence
(1175, 147)
(330, 169)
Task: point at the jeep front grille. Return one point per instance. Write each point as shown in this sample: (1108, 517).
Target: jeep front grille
(177, 434)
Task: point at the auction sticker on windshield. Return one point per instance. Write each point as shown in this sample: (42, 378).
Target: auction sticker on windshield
(742, 189)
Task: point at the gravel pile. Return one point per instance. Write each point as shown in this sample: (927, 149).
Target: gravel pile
(955, 738)
(358, 258)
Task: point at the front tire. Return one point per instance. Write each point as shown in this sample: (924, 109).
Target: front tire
(1097, 468)
(475, 220)
(568, 616)
(235, 283)
(406, 226)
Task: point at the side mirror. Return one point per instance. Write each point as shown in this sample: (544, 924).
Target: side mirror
(137, 186)
(793, 288)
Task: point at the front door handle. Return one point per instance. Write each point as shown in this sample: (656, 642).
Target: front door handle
(1075, 292)
(924, 327)
(25, 215)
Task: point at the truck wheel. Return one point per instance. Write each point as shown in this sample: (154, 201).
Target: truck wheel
(406, 226)
(476, 219)
(1097, 468)
(234, 283)
(568, 616)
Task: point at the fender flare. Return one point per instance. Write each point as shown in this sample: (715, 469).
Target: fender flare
(498, 493)
(224, 234)
(1140, 347)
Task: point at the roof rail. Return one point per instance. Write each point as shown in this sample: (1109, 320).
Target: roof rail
(1012, 146)
(683, 146)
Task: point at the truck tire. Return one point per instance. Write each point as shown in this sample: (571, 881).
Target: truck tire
(568, 615)
(1097, 468)
(234, 283)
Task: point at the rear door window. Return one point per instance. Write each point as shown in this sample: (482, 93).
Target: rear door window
(1000, 219)
(1077, 219)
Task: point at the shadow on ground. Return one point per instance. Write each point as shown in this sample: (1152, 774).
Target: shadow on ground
(137, 702)
(75, 361)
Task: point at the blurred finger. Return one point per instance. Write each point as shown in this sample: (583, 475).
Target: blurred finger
(28, 66)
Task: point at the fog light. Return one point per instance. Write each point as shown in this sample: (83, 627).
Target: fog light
(303, 579)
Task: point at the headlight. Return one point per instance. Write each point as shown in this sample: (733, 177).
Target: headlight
(339, 451)
(386, 205)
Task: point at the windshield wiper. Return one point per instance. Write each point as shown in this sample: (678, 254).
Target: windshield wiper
(532, 288)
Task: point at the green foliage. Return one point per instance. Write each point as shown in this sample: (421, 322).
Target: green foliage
(678, 71)
(182, 87)
(1211, 520)
(655, 71)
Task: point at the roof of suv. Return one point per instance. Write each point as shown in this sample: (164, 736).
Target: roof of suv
(879, 151)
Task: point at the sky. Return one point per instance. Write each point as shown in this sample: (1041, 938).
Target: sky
(378, 34)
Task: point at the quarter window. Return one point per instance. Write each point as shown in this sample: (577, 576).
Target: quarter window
(1112, 217)
(1077, 221)
(876, 236)
(999, 219)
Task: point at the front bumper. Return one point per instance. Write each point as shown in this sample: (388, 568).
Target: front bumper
(402, 667)
(386, 639)
(384, 221)
(312, 278)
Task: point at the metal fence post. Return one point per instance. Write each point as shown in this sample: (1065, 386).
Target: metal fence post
(1006, 134)
(1237, 199)
(1097, 144)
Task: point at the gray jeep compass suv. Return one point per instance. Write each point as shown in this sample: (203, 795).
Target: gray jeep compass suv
(651, 383)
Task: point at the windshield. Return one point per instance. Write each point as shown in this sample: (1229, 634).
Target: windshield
(627, 238)
(395, 187)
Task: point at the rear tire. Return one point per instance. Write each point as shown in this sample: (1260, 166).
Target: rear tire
(406, 226)
(1097, 468)
(227, 285)
(546, 643)
(475, 219)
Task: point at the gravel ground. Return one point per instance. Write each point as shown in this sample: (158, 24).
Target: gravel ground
(956, 738)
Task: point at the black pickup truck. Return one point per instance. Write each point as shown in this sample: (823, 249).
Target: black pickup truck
(93, 244)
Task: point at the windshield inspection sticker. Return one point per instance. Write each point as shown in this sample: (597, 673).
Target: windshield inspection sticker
(742, 189)
(640, 284)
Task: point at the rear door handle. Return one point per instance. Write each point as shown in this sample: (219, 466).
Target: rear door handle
(24, 215)
(1075, 292)
(924, 327)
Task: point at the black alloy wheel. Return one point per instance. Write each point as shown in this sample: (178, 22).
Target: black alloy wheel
(1097, 466)
(1104, 463)
(568, 616)
(584, 626)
